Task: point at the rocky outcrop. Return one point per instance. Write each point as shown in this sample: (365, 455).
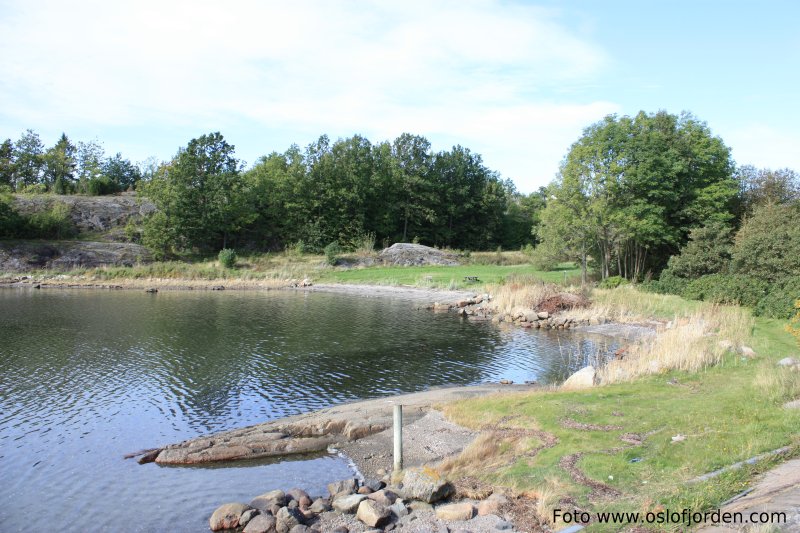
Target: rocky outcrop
(407, 254)
(90, 214)
(24, 256)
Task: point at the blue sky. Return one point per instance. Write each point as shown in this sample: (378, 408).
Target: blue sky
(514, 81)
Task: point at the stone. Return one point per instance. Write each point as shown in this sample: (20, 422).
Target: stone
(300, 528)
(582, 379)
(794, 404)
(227, 516)
(747, 351)
(346, 485)
(383, 496)
(300, 496)
(492, 505)
(543, 315)
(788, 361)
(348, 504)
(375, 484)
(399, 509)
(373, 514)
(247, 516)
(262, 523)
(341, 529)
(268, 499)
(502, 525)
(420, 506)
(455, 511)
(288, 518)
(426, 485)
(320, 505)
(364, 490)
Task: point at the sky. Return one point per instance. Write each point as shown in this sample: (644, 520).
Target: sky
(514, 81)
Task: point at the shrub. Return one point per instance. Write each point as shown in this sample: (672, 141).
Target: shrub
(54, 223)
(768, 245)
(612, 282)
(707, 252)
(794, 326)
(779, 301)
(737, 289)
(101, 185)
(11, 223)
(227, 257)
(331, 252)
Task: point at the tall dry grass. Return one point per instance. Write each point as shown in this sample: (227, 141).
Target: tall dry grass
(690, 342)
(520, 295)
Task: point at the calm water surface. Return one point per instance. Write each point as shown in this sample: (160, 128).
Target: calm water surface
(88, 376)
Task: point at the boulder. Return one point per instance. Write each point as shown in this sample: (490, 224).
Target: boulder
(794, 404)
(247, 516)
(455, 511)
(268, 499)
(407, 254)
(288, 518)
(582, 379)
(320, 505)
(543, 315)
(348, 504)
(262, 523)
(300, 528)
(383, 496)
(364, 490)
(399, 509)
(788, 361)
(300, 496)
(227, 516)
(373, 514)
(425, 485)
(747, 351)
(374, 484)
(420, 506)
(492, 505)
(346, 485)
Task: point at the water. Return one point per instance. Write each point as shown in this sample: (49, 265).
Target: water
(88, 376)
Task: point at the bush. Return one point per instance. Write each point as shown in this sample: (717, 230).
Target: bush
(612, 282)
(667, 283)
(707, 252)
(736, 289)
(331, 252)
(11, 223)
(227, 257)
(100, 186)
(54, 223)
(779, 302)
(768, 245)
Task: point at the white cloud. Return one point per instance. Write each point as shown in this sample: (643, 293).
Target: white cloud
(472, 72)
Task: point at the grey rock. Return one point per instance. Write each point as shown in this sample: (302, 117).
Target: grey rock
(346, 485)
(788, 361)
(288, 518)
(543, 315)
(420, 506)
(247, 516)
(502, 525)
(383, 496)
(300, 496)
(582, 379)
(426, 486)
(300, 529)
(399, 509)
(262, 523)
(348, 504)
(320, 505)
(266, 500)
(373, 514)
(374, 484)
(341, 529)
(455, 511)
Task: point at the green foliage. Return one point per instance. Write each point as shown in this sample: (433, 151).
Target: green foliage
(612, 282)
(11, 223)
(768, 244)
(737, 289)
(53, 223)
(707, 252)
(101, 185)
(227, 257)
(667, 283)
(794, 326)
(332, 252)
(779, 301)
(133, 232)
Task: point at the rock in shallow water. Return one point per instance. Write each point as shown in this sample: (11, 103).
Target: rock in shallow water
(227, 516)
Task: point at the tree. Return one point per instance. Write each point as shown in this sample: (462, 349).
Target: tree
(29, 160)
(630, 190)
(768, 244)
(89, 161)
(201, 196)
(121, 172)
(766, 187)
(411, 173)
(707, 252)
(60, 165)
(7, 164)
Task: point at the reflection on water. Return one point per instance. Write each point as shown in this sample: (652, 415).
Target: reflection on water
(86, 377)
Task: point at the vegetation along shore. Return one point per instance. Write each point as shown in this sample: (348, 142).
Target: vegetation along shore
(650, 233)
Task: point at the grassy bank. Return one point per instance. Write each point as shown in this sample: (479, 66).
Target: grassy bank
(611, 448)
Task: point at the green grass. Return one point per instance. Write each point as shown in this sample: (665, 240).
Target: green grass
(444, 276)
(729, 413)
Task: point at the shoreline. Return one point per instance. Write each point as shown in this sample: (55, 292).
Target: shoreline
(339, 427)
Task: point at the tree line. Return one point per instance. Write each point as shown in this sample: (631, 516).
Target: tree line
(27, 166)
(333, 192)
